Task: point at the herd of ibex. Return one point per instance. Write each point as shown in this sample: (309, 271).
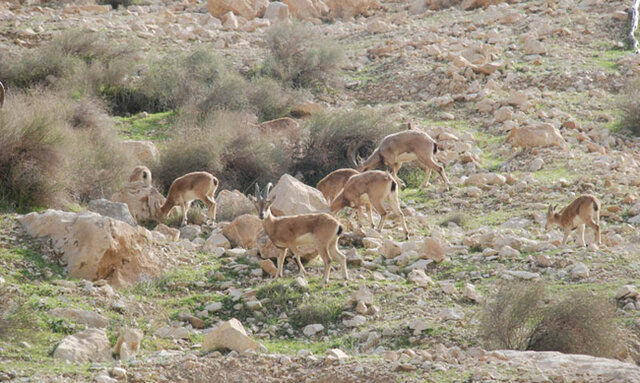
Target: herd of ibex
(355, 188)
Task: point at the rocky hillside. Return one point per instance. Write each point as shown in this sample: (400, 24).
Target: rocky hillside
(523, 98)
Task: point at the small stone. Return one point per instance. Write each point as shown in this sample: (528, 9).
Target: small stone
(580, 271)
(213, 307)
(361, 308)
(337, 354)
(448, 287)
(627, 291)
(544, 260)
(471, 293)
(356, 321)
(301, 282)
(420, 278)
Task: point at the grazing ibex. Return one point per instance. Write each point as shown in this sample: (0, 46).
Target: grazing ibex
(373, 186)
(288, 233)
(331, 185)
(1, 94)
(584, 210)
(141, 173)
(408, 145)
(185, 189)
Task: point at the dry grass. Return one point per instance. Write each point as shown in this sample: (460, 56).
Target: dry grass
(631, 109)
(54, 151)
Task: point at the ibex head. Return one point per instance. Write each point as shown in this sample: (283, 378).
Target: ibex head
(354, 156)
(260, 200)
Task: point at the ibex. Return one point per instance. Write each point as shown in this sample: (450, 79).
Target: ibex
(1, 94)
(331, 185)
(373, 186)
(185, 189)
(288, 233)
(584, 210)
(141, 173)
(405, 146)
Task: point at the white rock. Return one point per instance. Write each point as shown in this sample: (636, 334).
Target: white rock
(580, 271)
(216, 240)
(312, 329)
(433, 250)
(626, 291)
(390, 249)
(172, 332)
(230, 334)
(337, 354)
(85, 317)
(420, 278)
(213, 307)
(536, 164)
(291, 197)
(89, 345)
(451, 314)
(356, 321)
(471, 293)
(509, 252)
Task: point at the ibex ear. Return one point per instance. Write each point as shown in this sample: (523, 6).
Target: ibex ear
(550, 209)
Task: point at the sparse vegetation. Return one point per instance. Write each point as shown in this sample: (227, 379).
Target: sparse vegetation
(300, 58)
(630, 106)
(518, 318)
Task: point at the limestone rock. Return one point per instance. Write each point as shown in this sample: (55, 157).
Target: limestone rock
(346, 9)
(277, 12)
(580, 271)
(115, 210)
(337, 354)
(190, 232)
(291, 196)
(390, 249)
(433, 250)
(230, 334)
(243, 8)
(214, 241)
(170, 332)
(232, 204)
(145, 152)
(170, 233)
(364, 295)
(312, 329)
(485, 179)
(627, 291)
(85, 317)
(243, 231)
(89, 345)
(144, 201)
(420, 278)
(539, 136)
(95, 247)
(229, 21)
(304, 9)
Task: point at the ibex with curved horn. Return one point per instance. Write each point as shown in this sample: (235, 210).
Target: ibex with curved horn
(288, 233)
(408, 145)
(1, 94)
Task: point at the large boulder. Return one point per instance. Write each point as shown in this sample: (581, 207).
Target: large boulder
(85, 317)
(143, 201)
(244, 8)
(96, 247)
(230, 334)
(115, 210)
(232, 204)
(243, 231)
(89, 345)
(538, 136)
(291, 196)
(144, 151)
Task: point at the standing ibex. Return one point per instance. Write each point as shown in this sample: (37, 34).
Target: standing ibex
(405, 146)
(1, 94)
(331, 185)
(584, 210)
(196, 185)
(373, 186)
(320, 230)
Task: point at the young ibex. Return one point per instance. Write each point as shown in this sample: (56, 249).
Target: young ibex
(331, 185)
(373, 186)
(584, 210)
(185, 189)
(1, 94)
(288, 233)
(408, 145)
(141, 173)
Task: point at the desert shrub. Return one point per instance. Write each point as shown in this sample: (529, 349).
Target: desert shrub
(54, 150)
(317, 309)
(269, 99)
(580, 323)
(116, 3)
(330, 136)
(176, 79)
(517, 318)
(508, 319)
(300, 58)
(630, 106)
(459, 218)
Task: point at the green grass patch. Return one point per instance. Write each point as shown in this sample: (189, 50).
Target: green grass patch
(153, 126)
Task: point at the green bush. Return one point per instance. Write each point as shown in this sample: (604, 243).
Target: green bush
(330, 136)
(54, 151)
(269, 99)
(300, 58)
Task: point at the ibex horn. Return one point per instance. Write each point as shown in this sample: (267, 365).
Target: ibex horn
(267, 190)
(352, 151)
(257, 191)
(1, 94)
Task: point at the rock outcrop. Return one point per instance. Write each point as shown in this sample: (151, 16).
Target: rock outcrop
(96, 247)
(291, 196)
(89, 345)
